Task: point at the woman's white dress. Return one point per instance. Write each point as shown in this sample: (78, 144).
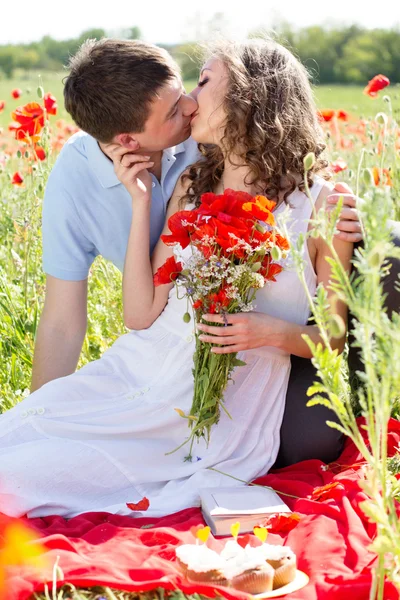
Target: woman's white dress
(97, 439)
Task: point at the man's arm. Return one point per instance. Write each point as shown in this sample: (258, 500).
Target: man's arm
(61, 330)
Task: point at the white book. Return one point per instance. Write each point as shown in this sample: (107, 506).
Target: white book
(222, 507)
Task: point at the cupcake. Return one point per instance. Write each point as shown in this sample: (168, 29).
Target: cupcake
(232, 550)
(283, 560)
(200, 563)
(249, 573)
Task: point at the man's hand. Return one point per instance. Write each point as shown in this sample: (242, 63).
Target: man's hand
(349, 226)
(131, 170)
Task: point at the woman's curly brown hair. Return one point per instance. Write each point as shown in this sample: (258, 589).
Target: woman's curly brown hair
(271, 122)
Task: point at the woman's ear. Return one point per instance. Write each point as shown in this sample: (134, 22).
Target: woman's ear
(128, 141)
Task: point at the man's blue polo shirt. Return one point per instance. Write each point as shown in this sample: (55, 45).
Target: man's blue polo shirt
(87, 211)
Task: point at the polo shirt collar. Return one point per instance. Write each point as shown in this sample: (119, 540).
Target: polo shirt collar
(101, 164)
(175, 149)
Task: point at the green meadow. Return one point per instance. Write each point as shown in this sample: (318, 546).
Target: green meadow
(349, 98)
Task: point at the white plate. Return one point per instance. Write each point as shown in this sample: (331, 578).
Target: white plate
(298, 582)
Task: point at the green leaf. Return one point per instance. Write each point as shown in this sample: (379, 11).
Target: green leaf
(238, 363)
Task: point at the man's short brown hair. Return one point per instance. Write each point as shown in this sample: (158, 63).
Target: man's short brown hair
(112, 83)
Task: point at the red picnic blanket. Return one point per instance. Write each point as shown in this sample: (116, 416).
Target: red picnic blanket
(131, 554)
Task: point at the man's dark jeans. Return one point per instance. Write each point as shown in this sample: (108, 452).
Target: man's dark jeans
(304, 433)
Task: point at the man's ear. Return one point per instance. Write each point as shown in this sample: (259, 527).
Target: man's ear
(128, 141)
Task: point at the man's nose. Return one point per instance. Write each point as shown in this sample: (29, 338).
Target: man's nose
(189, 105)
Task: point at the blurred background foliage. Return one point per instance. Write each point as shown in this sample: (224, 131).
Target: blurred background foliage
(346, 54)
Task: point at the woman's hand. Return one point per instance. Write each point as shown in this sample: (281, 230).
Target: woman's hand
(243, 332)
(131, 170)
(348, 225)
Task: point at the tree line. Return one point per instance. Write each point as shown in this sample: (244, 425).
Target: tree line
(350, 54)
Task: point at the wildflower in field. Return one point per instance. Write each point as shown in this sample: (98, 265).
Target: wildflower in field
(28, 122)
(39, 153)
(378, 176)
(2, 105)
(339, 165)
(50, 104)
(376, 84)
(17, 179)
(327, 114)
(16, 93)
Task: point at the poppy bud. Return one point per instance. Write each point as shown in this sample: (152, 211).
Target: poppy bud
(259, 227)
(26, 154)
(381, 118)
(19, 154)
(309, 161)
(368, 177)
(40, 92)
(337, 326)
(377, 256)
(186, 317)
(276, 253)
(256, 267)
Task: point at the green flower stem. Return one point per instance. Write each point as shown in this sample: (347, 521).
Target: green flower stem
(267, 487)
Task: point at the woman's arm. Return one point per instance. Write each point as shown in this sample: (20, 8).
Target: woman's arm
(288, 336)
(252, 330)
(142, 302)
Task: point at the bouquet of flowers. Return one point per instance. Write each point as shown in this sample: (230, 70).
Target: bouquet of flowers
(235, 249)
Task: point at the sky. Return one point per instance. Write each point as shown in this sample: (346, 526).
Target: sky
(174, 21)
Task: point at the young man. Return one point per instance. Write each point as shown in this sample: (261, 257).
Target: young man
(129, 93)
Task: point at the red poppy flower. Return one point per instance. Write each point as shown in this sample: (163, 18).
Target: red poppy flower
(29, 122)
(141, 506)
(342, 115)
(218, 301)
(339, 165)
(2, 106)
(40, 153)
(16, 93)
(50, 104)
(182, 226)
(376, 84)
(326, 114)
(281, 522)
(377, 176)
(280, 241)
(270, 273)
(226, 206)
(260, 207)
(327, 492)
(198, 304)
(270, 269)
(168, 272)
(17, 179)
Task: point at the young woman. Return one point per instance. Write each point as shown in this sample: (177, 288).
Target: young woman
(82, 443)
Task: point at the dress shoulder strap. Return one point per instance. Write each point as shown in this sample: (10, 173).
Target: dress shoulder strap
(302, 203)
